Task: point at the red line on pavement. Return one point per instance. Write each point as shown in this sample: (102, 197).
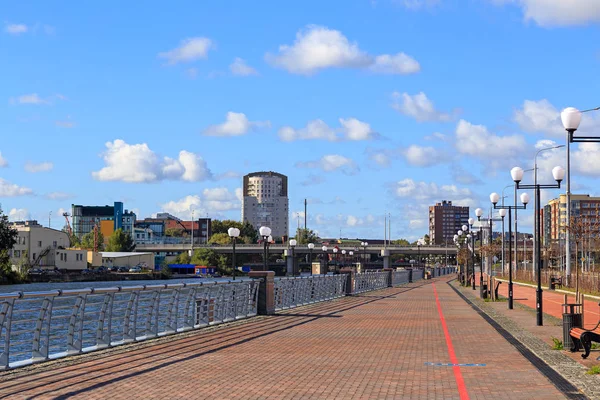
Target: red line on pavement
(462, 389)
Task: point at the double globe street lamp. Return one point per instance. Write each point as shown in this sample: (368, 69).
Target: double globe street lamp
(265, 233)
(292, 243)
(558, 173)
(233, 233)
(494, 198)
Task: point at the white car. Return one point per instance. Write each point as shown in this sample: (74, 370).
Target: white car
(135, 269)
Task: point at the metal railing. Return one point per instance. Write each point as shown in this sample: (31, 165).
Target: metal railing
(38, 326)
(400, 277)
(370, 281)
(299, 291)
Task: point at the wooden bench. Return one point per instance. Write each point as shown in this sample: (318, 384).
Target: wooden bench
(584, 337)
(556, 281)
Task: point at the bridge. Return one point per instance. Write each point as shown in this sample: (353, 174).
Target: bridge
(300, 249)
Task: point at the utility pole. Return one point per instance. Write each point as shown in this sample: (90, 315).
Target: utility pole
(305, 228)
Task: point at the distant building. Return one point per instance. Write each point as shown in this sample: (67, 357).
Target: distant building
(158, 226)
(553, 216)
(129, 260)
(445, 220)
(265, 202)
(108, 219)
(45, 248)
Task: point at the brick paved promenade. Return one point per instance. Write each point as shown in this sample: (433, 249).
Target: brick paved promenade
(376, 345)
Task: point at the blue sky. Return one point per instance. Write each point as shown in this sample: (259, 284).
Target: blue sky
(368, 106)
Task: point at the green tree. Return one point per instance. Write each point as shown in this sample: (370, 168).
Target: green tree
(220, 238)
(305, 236)
(174, 232)
(247, 232)
(183, 258)
(87, 241)
(401, 242)
(120, 241)
(205, 257)
(8, 238)
(74, 241)
(426, 239)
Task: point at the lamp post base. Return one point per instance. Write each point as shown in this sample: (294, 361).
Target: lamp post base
(510, 295)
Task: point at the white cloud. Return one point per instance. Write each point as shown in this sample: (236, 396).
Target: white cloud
(350, 129)
(15, 29)
(236, 124)
(38, 167)
(58, 196)
(542, 117)
(332, 162)
(32, 98)
(239, 68)
(417, 224)
(381, 158)
(3, 162)
(312, 180)
(316, 129)
(418, 107)
(212, 202)
(558, 12)
(353, 129)
(191, 49)
(8, 189)
(228, 175)
(477, 141)
(539, 116)
(426, 192)
(400, 63)
(138, 163)
(436, 136)
(423, 156)
(585, 159)
(19, 214)
(317, 48)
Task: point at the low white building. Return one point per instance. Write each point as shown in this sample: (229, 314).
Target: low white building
(45, 248)
(125, 259)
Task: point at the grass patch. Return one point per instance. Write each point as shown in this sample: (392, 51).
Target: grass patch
(595, 346)
(595, 370)
(558, 344)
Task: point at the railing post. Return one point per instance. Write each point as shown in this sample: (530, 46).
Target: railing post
(349, 280)
(389, 272)
(410, 274)
(266, 291)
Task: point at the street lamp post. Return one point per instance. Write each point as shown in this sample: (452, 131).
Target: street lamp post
(364, 246)
(536, 215)
(494, 198)
(471, 237)
(311, 246)
(479, 213)
(233, 233)
(517, 175)
(335, 251)
(325, 260)
(293, 244)
(502, 214)
(344, 258)
(265, 232)
(571, 118)
(351, 254)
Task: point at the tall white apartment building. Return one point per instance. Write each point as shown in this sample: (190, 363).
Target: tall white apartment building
(265, 201)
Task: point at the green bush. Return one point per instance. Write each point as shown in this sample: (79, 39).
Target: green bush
(595, 370)
(558, 344)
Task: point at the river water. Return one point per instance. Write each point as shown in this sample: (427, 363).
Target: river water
(45, 286)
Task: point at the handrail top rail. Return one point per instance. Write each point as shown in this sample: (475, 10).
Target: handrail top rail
(114, 289)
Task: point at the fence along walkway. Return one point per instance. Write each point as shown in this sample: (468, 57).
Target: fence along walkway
(39, 326)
